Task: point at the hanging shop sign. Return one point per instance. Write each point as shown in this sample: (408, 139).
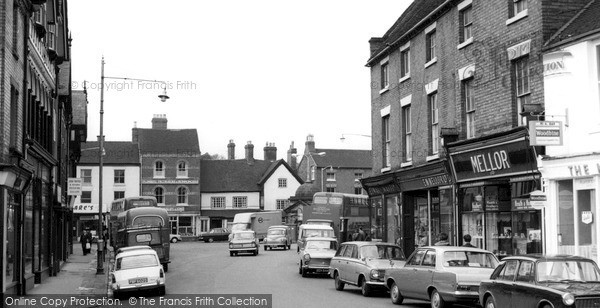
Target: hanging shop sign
(545, 133)
(74, 186)
(497, 160)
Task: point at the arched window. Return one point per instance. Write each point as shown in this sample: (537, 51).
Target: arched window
(182, 195)
(182, 169)
(159, 169)
(159, 194)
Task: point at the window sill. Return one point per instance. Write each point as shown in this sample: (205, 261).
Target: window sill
(384, 90)
(405, 78)
(182, 177)
(517, 17)
(432, 157)
(386, 169)
(465, 43)
(158, 177)
(431, 62)
(406, 164)
(181, 204)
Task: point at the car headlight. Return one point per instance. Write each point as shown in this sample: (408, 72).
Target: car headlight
(230, 245)
(568, 299)
(306, 258)
(375, 274)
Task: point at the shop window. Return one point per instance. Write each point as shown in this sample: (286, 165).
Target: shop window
(377, 218)
(566, 227)
(185, 225)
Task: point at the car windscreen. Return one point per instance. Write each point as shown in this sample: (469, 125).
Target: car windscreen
(381, 252)
(243, 236)
(276, 232)
(321, 245)
(318, 232)
(136, 261)
(240, 227)
(469, 259)
(567, 270)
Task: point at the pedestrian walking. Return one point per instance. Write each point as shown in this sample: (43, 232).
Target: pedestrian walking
(361, 235)
(442, 240)
(86, 242)
(355, 235)
(467, 241)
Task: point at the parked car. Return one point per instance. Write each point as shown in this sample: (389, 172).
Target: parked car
(216, 234)
(306, 230)
(542, 281)
(243, 241)
(364, 264)
(174, 238)
(441, 274)
(278, 236)
(316, 255)
(137, 269)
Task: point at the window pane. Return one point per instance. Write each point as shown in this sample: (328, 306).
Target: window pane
(566, 217)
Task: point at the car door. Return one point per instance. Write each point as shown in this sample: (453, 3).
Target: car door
(346, 266)
(523, 285)
(424, 274)
(503, 287)
(406, 282)
(354, 265)
(337, 260)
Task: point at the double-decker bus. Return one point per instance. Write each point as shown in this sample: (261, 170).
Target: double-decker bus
(348, 212)
(145, 226)
(121, 205)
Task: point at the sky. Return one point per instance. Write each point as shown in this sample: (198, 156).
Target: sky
(261, 71)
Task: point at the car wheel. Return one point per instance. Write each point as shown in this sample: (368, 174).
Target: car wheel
(490, 303)
(231, 253)
(365, 288)
(436, 299)
(265, 248)
(166, 267)
(161, 291)
(210, 240)
(304, 272)
(116, 294)
(395, 295)
(300, 268)
(174, 240)
(339, 285)
(256, 252)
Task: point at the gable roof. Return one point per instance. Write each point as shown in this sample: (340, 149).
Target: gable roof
(115, 153)
(274, 167)
(410, 18)
(168, 141)
(359, 159)
(584, 23)
(232, 175)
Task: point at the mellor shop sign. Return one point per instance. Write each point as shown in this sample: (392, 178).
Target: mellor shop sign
(491, 161)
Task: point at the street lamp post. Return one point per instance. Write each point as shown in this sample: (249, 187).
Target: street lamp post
(322, 186)
(360, 135)
(163, 97)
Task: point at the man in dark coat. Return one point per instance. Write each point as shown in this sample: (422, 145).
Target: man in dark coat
(86, 237)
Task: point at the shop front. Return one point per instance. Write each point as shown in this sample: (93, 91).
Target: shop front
(412, 207)
(495, 176)
(572, 185)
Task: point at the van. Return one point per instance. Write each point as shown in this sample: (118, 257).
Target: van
(310, 230)
(278, 236)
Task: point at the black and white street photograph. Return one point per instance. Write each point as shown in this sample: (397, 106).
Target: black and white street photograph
(268, 153)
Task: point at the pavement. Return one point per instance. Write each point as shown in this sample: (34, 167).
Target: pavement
(78, 275)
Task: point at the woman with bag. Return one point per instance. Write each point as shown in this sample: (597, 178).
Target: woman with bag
(86, 242)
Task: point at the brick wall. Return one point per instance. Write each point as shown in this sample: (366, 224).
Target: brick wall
(494, 90)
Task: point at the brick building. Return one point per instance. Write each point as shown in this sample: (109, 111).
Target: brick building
(170, 171)
(453, 85)
(36, 157)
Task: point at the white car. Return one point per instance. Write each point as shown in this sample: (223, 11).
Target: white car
(316, 255)
(174, 238)
(136, 270)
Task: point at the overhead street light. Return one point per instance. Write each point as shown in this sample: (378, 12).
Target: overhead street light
(163, 97)
(360, 135)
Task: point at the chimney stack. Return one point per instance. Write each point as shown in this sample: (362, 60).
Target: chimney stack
(249, 152)
(231, 150)
(309, 145)
(270, 151)
(135, 133)
(291, 156)
(159, 121)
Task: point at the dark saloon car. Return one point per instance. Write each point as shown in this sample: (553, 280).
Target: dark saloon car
(542, 281)
(216, 234)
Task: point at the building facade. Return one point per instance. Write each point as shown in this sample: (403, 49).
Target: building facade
(170, 171)
(450, 80)
(120, 179)
(245, 185)
(36, 157)
(571, 167)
